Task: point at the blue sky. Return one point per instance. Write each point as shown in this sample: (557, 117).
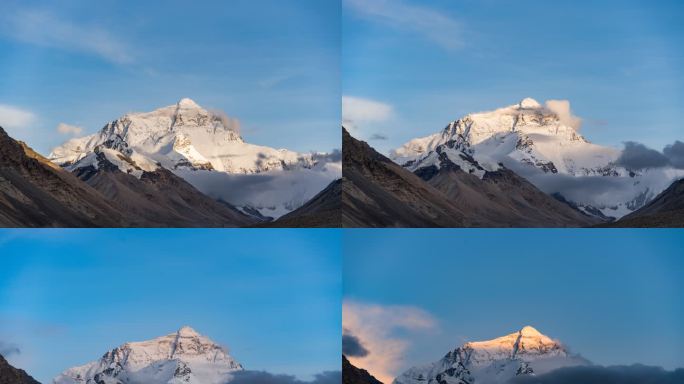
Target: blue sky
(274, 65)
(619, 63)
(272, 296)
(614, 296)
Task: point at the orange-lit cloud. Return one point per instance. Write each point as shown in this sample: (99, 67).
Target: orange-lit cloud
(375, 327)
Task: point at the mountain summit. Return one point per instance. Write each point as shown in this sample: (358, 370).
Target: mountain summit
(542, 144)
(527, 131)
(205, 149)
(179, 136)
(525, 352)
(184, 356)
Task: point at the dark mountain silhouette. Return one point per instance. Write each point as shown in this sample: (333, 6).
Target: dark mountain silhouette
(354, 375)
(11, 375)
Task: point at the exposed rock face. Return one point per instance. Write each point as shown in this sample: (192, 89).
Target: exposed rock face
(377, 192)
(354, 375)
(544, 146)
(525, 352)
(501, 198)
(36, 193)
(181, 136)
(159, 198)
(11, 375)
(205, 149)
(181, 357)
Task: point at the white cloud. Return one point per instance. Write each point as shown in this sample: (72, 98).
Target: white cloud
(357, 111)
(433, 25)
(15, 117)
(44, 28)
(562, 109)
(66, 129)
(375, 326)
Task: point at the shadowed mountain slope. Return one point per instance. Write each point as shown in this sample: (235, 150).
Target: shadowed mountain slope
(376, 192)
(159, 198)
(11, 375)
(666, 210)
(379, 193)
(36, 193)
(322, 211)
(354, 375)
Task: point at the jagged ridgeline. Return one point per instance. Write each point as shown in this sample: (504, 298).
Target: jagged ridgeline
(523, 353)
(177, 166)
(523, 165)
(181, 357)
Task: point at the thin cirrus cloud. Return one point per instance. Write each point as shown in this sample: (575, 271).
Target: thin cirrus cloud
(45, 28)
(15, 117)
(374, 328)
(68, 129)
(432, 25)
(358, 111)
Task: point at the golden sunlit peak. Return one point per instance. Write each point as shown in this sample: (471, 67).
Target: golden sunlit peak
(529, 330)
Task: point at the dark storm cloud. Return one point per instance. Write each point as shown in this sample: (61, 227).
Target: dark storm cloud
(332, 157)
(352, 346)
(638, 156)
(261, 377)
(633, 374)
(378, 136)
(675, 153)
(8, 349)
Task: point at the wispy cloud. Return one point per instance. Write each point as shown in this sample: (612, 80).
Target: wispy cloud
(431, 24)
(374, 326)
(15, 117)
(67, 129)
(8, 349)
(45, 28)
(562, 109)
(356, 111)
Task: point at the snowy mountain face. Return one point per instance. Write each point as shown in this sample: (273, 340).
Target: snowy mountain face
(537, 143)
(204, 148)
(182, 357)
(526, 352)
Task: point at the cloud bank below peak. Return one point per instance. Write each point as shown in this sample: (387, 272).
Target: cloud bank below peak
(633, 374)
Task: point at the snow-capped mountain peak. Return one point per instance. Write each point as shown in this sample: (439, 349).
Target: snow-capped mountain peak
(181, 136)
(204, 148)
(527, 131)
(184, 356)
(525, 341)
(187, 103)
(187, 331)
(525, 352)
(540, 142)
(529, 103)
